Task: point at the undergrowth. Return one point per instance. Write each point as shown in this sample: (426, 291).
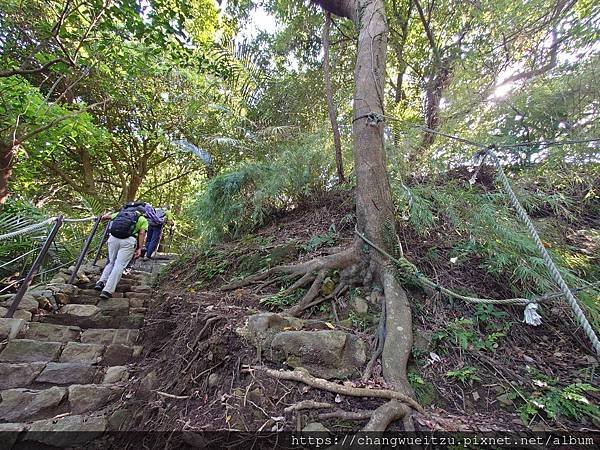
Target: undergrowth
(240, 200)
(465, 226)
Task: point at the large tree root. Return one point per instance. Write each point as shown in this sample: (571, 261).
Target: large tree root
(302, 376)
(388, 413)
(394, 341)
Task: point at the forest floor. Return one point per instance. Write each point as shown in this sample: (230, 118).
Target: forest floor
(472, 368)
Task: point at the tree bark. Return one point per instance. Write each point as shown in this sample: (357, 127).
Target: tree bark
(337, 141)
(6, 163)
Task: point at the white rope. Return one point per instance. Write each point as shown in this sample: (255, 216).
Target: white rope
(85, 219)
(579, 315)
(27, 229)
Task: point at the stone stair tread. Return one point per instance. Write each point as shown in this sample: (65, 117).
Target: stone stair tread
(97, 321)
(15, 375)
(88, 428)
(41, 331)
(30, 404)
(108, 336)
(68, 373)
(29, 350)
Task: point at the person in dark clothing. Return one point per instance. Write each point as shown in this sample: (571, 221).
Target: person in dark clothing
(156, 220)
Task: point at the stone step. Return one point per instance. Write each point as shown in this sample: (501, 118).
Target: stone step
(40, 374)
(28, 350)
(48, 332)
(87, 429)
(25, 405)
(94, 293)
(108, 336)
(96, 321)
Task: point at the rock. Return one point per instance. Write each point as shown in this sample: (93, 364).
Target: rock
(315, 427)
(3, 311)
(26, 404)
(64, 288)
(90, 397)
(15, 375)
(59, 279)
(505, 399)
(117, 355)
(261, 328)
(10, 328)
(137, 351)
(81, 353)
(108, 336)
(82, 429)
(148, 382)
(213, 380)
(282, 253)
(79, 310)
(360, 305)
(114, 307)
(422, 341)
(23, 314)
(61, 298)
(27, 350)
(136, 302)
(28, 302)
(115, 374)
(118, 419)
(10, 433)
(67, 373)
(140, 295)
(325, 354)
(142, 289)
(138, 310)
(48, 332)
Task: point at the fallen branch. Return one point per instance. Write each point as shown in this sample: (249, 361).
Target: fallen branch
(177, 397)
(302, 376)
(307, 404)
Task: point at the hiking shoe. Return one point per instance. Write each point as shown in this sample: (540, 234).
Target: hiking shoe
(99, 285)
(105, 295)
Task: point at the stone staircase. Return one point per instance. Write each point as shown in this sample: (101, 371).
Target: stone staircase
(61, 370)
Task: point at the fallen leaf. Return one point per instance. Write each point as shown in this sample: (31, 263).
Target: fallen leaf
(338, 398)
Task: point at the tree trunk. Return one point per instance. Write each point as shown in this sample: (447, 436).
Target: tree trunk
(374, 205)
(337, 141)
(438, 82)
(6, 163)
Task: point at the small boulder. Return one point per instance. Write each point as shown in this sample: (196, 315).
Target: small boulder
(90, 397)
(360, 305)
(115, 374)
(315, 427)
(79, 310)
(28, 302)
(325, 354)
(23, 314)
(261, 328)
(10, 328)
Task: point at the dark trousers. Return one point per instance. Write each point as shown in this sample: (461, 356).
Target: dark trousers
(152, 239)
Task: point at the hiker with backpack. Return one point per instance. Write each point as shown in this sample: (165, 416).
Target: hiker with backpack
(157, 219)
(128, 228)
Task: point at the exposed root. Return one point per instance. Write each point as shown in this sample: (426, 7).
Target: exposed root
(346, 415)
(398, 337)
(310, 295)
(307, 404)
(302, 376)
(386, 414)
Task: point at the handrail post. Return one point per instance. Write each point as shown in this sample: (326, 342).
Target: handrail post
(34, 268)
(106, 230)
(84, 249)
